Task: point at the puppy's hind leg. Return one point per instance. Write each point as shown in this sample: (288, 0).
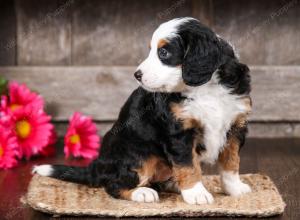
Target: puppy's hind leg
(167, 186)
(130, 184)
(140, 194)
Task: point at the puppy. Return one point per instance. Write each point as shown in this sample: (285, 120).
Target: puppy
(191, 107)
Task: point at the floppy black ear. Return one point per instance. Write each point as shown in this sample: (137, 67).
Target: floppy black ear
(203, 55)
(235, 75)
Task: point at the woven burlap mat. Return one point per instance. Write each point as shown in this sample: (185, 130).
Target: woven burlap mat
(62, 198)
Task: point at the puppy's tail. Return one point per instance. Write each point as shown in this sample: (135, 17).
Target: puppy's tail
(62, 172)
(82, 175)
(100, 173)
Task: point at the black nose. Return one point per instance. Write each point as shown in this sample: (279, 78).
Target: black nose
(138, 75)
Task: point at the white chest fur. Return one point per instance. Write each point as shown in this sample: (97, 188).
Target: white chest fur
(216, 109)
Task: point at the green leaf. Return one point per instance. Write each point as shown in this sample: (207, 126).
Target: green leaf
(3, 85)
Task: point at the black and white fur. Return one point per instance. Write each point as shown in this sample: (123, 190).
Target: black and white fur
(195, 68)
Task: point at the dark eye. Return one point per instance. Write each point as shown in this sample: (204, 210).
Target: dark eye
(163, 53)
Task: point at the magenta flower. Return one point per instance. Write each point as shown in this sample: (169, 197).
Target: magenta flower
(8, 149)
(20, 96)
(81, 139)
(22, 112)
(32, 128)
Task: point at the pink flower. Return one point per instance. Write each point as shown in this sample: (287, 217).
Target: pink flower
(8, 148)
(20, 96)
(4, 108)
(81, 139)
(32, 128)
(23, 114)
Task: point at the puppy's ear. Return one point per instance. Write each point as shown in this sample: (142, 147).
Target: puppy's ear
(203, 55)
(235, 75)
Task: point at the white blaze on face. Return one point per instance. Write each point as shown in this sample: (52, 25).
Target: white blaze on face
(158, 76)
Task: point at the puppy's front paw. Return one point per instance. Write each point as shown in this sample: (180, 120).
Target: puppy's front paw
(236, 189)
(197, 195)
(233, 186)
(144, 194)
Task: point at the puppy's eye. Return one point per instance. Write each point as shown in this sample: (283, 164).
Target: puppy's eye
(163, 53)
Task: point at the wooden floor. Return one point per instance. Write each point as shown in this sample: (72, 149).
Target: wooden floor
(278, 158)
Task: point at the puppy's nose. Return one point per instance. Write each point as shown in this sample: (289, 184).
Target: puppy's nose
(138, 75)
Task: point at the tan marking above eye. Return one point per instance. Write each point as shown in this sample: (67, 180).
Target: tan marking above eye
(161, 43)
(149, 45)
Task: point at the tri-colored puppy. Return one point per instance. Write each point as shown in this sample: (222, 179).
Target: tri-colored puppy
(191, 107)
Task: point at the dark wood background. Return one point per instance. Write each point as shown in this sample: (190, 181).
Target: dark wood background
(81, 55)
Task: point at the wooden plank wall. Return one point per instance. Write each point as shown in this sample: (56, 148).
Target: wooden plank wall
(80, 54)
(112, 32)
(118, 32)
(264, 32)
(100, 91)
(8, 33)
(43, 32)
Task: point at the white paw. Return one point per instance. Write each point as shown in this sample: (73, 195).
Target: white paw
(43, 170)
(144, 194)
(233, 186)
(197, 195)
(237, 189)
